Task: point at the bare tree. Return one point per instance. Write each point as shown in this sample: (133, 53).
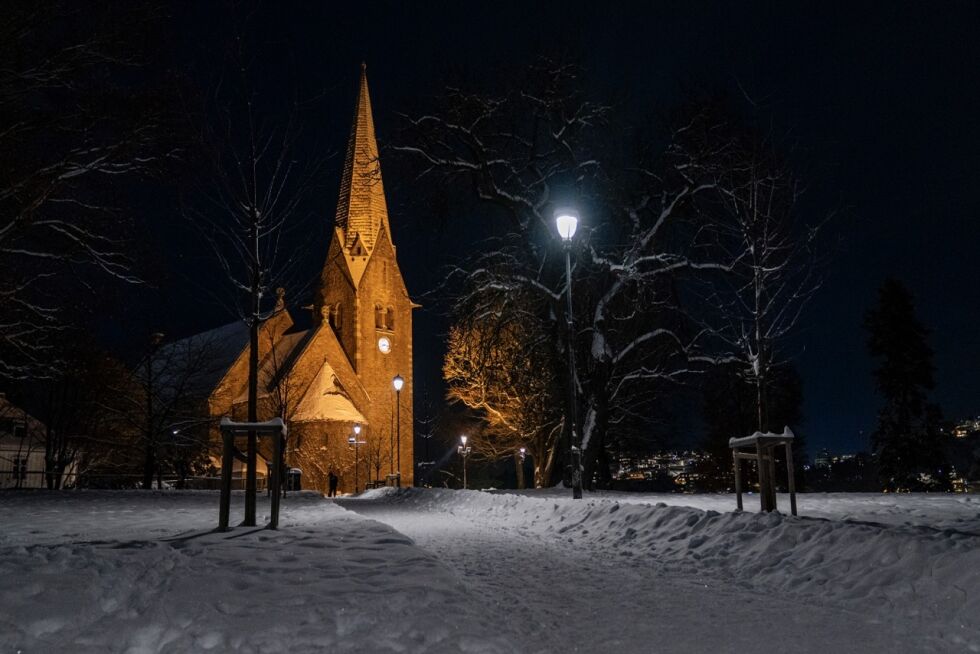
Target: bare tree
(163, 400)
(778, 265)
(68, 134)
(517, 151)
(425, 423)
(493, 365)
(523, 153)
(256, 192)
(72, 405)
(378, 456)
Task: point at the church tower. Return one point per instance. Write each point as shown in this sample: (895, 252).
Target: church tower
(363, 296)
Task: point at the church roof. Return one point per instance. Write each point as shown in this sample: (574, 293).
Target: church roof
(327, 400)
(277, 363)
(200, 362)
(361, 207)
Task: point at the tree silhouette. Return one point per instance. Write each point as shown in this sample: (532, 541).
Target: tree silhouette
(908, 441)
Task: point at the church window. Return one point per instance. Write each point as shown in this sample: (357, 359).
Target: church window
(379, 317)
(335, 316)
(390, 319)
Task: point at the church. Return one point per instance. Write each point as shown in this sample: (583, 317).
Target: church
(341, 372)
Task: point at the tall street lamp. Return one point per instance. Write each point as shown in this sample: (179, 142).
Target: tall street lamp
(567, 221)
(356, 442)
(464, 451)
(398, 382)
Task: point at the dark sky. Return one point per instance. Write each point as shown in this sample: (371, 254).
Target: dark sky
(880, 102)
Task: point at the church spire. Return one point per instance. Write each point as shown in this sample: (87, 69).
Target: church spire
(361, 208)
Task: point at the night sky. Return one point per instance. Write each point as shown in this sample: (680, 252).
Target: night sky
(880, 103)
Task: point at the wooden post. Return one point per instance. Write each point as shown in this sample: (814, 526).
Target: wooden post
(771, 476)
(227, 461)
(738, 478)
(761, 465)
(791, 478)
(276, 479)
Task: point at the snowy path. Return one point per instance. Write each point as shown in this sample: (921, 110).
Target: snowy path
(437, 571)
(555, 591)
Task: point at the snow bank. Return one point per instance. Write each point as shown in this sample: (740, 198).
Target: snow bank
(919, 571)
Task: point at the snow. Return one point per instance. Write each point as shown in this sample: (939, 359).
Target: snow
(436, 570)
(142, 572)
(746, 441)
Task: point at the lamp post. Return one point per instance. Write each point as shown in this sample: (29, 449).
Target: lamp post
(353, 440)
(464, 451)
(567, 221)
(398, 382)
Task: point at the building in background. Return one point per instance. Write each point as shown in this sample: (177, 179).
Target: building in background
(22, 450)
(337, 373)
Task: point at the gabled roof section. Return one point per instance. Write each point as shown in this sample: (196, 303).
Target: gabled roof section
(361, 207)
(322, 347)
(327, 400)
(277, 364)
(12, 413)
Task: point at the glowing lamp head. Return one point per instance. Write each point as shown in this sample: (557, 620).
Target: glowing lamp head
(398, 382)
(523, 450)
(463, 440)
(357, 428)
(567, 222)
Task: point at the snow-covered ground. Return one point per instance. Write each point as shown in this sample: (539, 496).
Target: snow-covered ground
(466, 571)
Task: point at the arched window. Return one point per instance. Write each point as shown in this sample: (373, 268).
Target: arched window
(379, 317)
(335, 316)
(390, 322)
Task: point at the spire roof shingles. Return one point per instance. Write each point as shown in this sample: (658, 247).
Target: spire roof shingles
(361, 207)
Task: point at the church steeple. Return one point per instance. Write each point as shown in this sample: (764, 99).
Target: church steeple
(361, 207)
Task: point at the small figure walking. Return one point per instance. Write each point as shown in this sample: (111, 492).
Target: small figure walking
(333, 484)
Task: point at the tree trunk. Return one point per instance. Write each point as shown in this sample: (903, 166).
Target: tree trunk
(253, 371)
(253, 393)
(149, 461)
(544, 463)
(49, 459)
(597, 419)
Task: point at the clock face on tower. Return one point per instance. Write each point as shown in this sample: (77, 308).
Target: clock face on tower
(384, 345)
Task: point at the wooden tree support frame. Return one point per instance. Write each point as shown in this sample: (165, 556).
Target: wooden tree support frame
(761, 448)
(274, 428)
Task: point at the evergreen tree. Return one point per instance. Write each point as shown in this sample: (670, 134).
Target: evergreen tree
(908, 440)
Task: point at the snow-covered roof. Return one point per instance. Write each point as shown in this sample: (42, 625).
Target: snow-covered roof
(13, 413)
(203, 359)
(327, 400)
